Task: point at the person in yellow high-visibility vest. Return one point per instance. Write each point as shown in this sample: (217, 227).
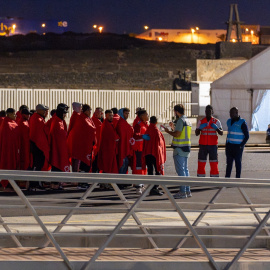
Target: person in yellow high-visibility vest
(181, 143)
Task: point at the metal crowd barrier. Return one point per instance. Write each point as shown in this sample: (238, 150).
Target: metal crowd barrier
(158, 103)
(133, 207)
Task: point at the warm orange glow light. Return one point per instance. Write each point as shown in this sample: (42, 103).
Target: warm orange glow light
(251, 32)
(43, 25)
(146, 27)
(14, 26)
(192, 30)
(233, 40)
(160, 38)
(247, 29)
(197, 28)
(94, 26)
(100, 29)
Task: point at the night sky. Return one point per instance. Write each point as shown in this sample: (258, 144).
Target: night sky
(129, 16)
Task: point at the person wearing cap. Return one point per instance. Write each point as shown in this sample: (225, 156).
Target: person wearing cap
(139, 136)
(154, 153)
(59, 158)
(116, 117)
(39, 144)
(107, 161)
(9, 144)
(81, 140)
(126, 140)
(19, 113)
(77, 109)
(137, 119)
(97, 119)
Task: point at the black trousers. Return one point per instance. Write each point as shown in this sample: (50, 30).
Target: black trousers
(151, 165)
(38, 162)
(54, 169)
(95, 168)
(234, 153)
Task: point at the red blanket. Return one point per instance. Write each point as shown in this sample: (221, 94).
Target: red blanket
(155, 147)
(58, 145)
(107, 161)
(72, 120)
(81, 139)
(98, 125)
(1, 120)
(125, 132)
(116, 118)
(136, 120)
(38, 134)
(18, 117)
(25, 155)
(9, 146)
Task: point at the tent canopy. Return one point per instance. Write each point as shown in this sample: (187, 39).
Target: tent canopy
(248, 88)
(253, 74)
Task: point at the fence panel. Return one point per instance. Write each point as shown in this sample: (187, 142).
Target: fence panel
(57, 96)
(106, 99)
(24, 97)
(152, 102)
(90, 97)
(166, 109)
(41, 96)
(122, 98)
(73, 95)
(183, 97)
(7, 98)
(136, 100)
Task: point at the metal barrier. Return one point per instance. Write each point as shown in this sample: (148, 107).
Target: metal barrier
(156, 102)
(132, 208)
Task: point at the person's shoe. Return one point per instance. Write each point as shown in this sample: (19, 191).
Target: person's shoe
(189, 194)
(81, 187)
(180, 195)
(156, 191)
(140, 190)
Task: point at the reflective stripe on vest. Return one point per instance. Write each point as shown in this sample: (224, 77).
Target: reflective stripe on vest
(184, 139)
(208, 134)
(235, 133)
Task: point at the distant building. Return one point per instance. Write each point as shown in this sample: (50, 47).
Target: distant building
(250, 33)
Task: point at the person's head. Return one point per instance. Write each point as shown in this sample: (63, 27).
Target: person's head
(109, 115)
(115, 110)
(153, 120)
(234, 113)
(3, 113)
(11, 113)
(62, 110)
(86, 109)
(32, 112)
(23, 107)
(77, 107)
(143, 115)
(46, 111)
(179, 110)
(139, 109)
(25, 114)
(126, 112)
(209, 111)
(41, 110)
(53, 112)
(98, 112)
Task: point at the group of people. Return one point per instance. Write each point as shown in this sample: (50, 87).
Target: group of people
(208, 129)
(107, 143)
(102, 143)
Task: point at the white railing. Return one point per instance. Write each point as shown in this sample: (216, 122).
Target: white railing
(133, 207)
(157, 103)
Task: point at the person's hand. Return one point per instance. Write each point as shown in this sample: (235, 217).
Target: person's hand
(214, 126)
(146, 137)
(202, 126)
(171, 124)
(166, 130)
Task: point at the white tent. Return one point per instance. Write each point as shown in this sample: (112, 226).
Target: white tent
(248, 88)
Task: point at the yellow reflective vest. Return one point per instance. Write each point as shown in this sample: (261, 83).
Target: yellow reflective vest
(183, 140)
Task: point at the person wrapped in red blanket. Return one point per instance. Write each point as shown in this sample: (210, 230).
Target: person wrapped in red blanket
(154, 152)
(59, 158)
(107, 161)
(9, 144)
(77, 109)
(126, 141)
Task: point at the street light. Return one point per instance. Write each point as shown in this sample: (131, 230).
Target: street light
(100, 29)
(146, 27)
(95, 26)
(192, 30)
(197, 28)
(43, 25)
(160, 38)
